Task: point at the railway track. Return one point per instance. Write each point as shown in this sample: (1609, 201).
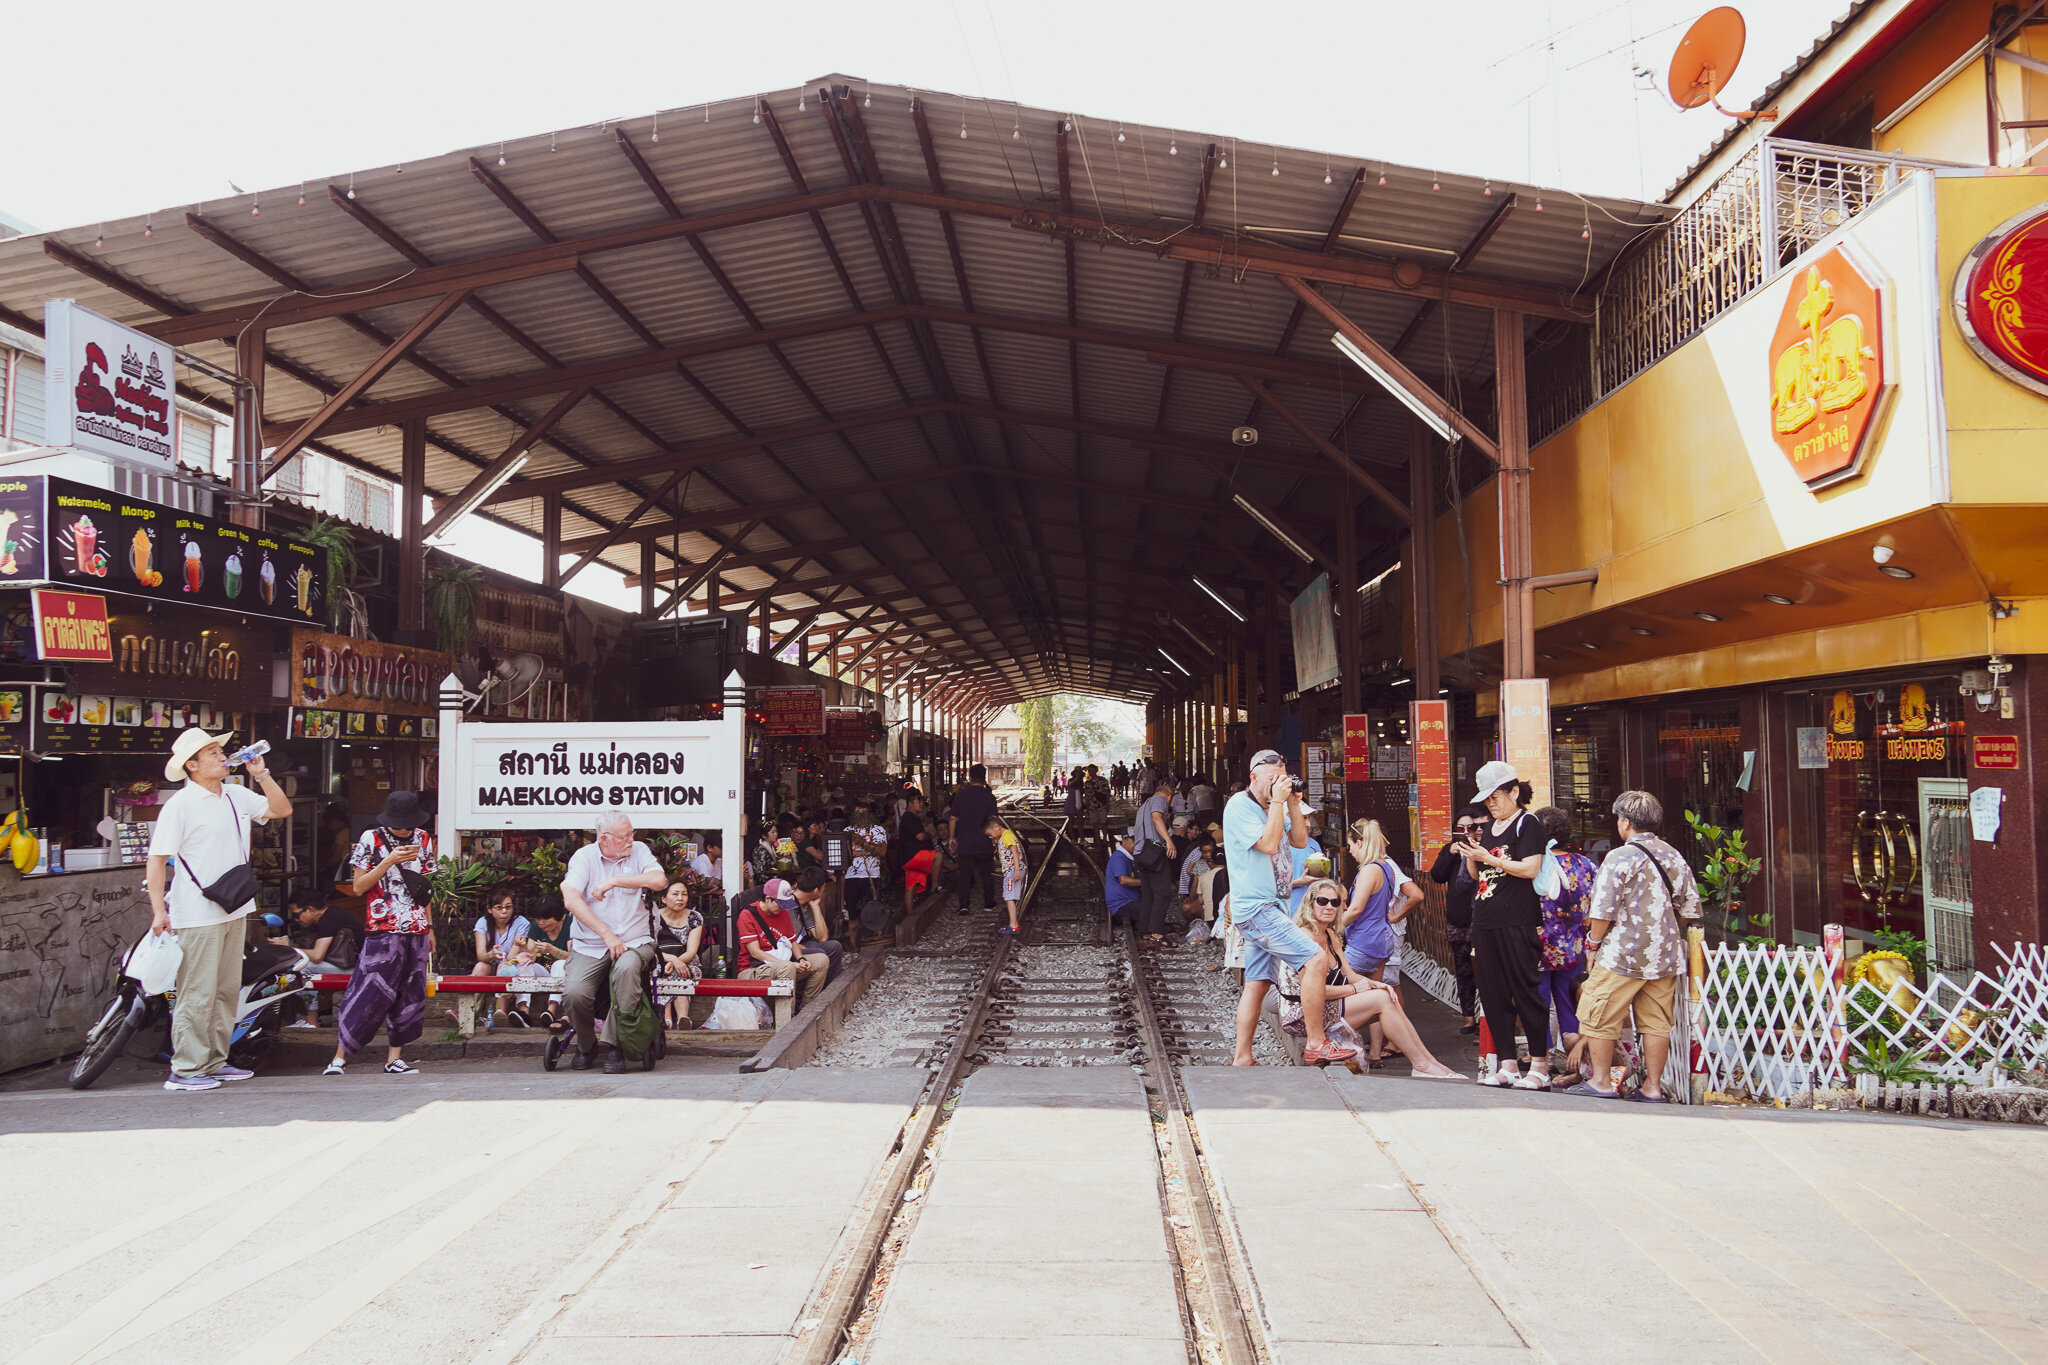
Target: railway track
(1071, 991)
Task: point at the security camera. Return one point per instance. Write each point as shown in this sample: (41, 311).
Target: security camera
(1244, 436)
(1881, 553)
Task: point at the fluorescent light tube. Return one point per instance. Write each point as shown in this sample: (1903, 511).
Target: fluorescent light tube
(1175, 662)
(1262, 519)
(1415, 405)
(476, 499)
(1218, 597)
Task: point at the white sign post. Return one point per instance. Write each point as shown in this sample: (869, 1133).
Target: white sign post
(563, 775)
(108, 389)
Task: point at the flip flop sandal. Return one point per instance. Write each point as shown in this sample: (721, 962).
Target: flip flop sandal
(1640, 1098)
(1585, 1090)
(1425, 1076)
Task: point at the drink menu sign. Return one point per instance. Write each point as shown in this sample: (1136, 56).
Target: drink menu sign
(54, 530)
(108, 389)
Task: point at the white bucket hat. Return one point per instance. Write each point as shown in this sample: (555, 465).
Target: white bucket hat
(1492, 777)
(187, 744)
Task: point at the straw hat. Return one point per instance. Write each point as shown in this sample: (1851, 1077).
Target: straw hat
(187, 744)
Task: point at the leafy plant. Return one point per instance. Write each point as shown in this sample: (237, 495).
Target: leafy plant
(544, 868)
(457, 883)
(1889, 1068)
(337, 540)
(451, 593)
(1725, 868)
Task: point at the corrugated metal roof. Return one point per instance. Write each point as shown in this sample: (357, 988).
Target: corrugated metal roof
(1034, 450)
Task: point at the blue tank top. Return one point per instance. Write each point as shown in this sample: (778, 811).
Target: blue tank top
(1370, 936)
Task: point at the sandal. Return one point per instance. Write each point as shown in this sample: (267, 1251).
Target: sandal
(1502, 1080)
(1530, 1080)
(1447, 1076)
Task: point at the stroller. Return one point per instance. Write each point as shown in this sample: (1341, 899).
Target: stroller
(561, 1033)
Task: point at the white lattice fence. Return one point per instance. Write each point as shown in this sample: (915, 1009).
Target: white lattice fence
(1768, 1021)
(1772, 1022)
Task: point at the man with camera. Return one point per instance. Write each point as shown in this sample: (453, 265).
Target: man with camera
(1260, 826)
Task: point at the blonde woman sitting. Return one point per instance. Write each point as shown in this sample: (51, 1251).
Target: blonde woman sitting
(1354, 999)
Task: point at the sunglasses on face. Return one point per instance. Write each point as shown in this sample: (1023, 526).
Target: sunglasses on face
(1328, 900)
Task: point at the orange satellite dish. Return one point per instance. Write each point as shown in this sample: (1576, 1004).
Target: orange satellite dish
(1706, 58)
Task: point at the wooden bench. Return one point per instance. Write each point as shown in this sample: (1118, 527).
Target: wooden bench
(781, 995)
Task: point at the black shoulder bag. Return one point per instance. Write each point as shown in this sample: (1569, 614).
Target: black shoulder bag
(232, 889)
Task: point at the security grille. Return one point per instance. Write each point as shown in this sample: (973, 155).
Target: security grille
(366, 503)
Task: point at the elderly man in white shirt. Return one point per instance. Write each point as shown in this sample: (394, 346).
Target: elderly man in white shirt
(201, 835)
(614, 931)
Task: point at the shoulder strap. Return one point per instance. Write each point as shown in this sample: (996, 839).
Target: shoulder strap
(1670, 894)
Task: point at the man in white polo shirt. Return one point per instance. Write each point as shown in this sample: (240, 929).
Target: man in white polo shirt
(614, 932)
(201, 835)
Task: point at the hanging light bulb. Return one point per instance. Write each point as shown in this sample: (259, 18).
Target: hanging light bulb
(1383, 177)
(1539, 201)
(1120, 137)
(256, 207)
(351, 184)
(1488, 191)
(148, 228)
(1326, 177)
(1016, 132)
(652, 136)
(867, 98)
(1222, 160)
(757, 113)
(100, 240)
(1434, 186)
(801, 105)
(1586, 232)
(1173, 147)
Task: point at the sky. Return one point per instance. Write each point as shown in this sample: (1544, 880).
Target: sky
(193, 100)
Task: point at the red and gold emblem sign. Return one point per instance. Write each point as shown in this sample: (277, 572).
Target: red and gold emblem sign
(1828, 369)
(2001, 299)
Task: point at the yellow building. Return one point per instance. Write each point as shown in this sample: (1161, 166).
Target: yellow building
(1814, 483)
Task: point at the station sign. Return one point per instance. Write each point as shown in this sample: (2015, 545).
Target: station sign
(663, 774)
(1830, 375)
(2001, 299)
(108, 389)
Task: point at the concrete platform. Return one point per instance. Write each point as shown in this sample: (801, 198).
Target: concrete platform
(1041, 1238)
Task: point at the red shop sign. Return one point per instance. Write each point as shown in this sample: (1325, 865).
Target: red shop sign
(793, 710)
(1996, 751)
(2001, 299)
(71, 627)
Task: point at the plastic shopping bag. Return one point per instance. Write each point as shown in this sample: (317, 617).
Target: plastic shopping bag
(1550, 876)
(745, 1012)
(154, 963)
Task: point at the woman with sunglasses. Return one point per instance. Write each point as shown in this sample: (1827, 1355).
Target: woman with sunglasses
(1354, 1000)
(1450, 873)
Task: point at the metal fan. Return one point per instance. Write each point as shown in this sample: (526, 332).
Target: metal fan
(513, 678)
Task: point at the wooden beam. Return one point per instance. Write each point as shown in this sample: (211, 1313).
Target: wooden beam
(618, 532)
(520, 445)
(1335, 456)
(707, 572)
(412, 336)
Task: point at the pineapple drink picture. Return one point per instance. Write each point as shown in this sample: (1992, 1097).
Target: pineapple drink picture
(302, 591)
(266, 581)
(231, 574)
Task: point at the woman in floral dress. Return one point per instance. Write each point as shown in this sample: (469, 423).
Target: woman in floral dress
(1564, 924)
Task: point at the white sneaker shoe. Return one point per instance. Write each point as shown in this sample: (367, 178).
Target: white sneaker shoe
(182, 1083)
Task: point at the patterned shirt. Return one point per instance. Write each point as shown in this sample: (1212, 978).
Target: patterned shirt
(1643, 939)
(389, 907)
(1564, 915)
(1191, 867)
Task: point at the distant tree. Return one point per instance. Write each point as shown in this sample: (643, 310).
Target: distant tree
(1037, 732)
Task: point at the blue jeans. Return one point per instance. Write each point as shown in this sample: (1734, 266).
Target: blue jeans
(1269, 933)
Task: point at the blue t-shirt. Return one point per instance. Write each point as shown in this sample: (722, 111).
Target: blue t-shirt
(1119, 896)
(1252, 885)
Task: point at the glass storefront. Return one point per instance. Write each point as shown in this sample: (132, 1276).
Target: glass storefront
(1876, 816)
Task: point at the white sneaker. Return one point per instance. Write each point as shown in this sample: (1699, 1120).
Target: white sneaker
(181, 1083)
(300, 1023)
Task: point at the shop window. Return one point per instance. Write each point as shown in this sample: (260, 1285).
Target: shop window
(1878, 820)
(25, 421)
(1694, 762)
(366, 503)
(195, 441)
(1585, 773)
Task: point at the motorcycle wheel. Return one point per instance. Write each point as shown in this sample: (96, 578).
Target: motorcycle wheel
(103, 1043)
(551, 1051)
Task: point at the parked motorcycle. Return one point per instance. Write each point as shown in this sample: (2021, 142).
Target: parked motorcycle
(271, 976)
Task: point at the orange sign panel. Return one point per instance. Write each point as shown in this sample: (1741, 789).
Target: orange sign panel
(1525, 733)
(2001, 299)
(1827, 369)
(1429, 727)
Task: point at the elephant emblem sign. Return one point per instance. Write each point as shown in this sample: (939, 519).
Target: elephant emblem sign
(1828, 369)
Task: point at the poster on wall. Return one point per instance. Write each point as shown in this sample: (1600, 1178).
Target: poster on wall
(107, 389)
(1430, 724)
(1525, 733)
(21, 530)
(1315, 636)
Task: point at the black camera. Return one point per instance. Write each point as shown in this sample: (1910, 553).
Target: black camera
(1298, 785)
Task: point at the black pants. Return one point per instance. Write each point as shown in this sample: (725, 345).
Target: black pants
(1159, 890)
(1461, 964)
(972, 866)
(1507, 962)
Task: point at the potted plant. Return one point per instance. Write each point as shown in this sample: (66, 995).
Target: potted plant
(1725, 869)
(346, 611)
(451, 595)
(456, 890)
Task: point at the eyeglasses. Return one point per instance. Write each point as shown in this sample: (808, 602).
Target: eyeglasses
(1328, 900)
(1466, 824)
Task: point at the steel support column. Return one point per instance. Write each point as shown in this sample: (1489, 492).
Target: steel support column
(248, 427)
(1511, 397)
(1345, 591)
(1422, 559)
(412, 493)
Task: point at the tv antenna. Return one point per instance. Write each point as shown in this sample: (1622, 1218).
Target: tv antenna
(1706, 60)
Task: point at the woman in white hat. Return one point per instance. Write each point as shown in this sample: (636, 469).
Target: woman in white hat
(201, 838)
(1502, 857)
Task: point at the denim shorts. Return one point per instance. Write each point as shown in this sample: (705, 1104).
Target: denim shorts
(1270, 934)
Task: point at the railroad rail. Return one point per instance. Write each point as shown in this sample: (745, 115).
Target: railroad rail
(1119, 1007)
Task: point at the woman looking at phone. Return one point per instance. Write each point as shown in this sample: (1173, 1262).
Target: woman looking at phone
(1502, 856)
(389, 986)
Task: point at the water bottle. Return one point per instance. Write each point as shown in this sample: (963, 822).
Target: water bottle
(247, 752)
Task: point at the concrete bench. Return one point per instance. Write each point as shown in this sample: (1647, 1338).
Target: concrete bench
(781, 995)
